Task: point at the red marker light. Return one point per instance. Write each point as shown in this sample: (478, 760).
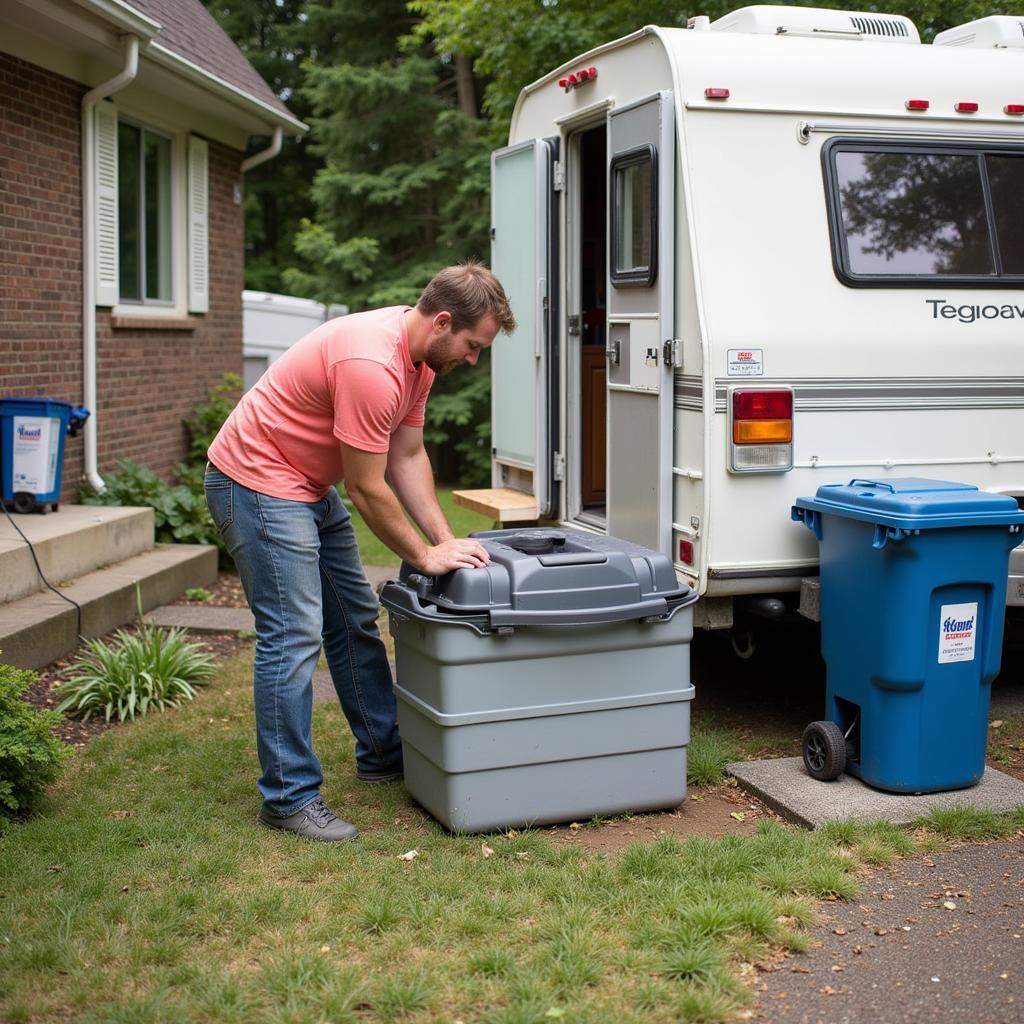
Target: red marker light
(964, 107)
(918, 104)
(716, 94)
(1014, 108)
(686, 552)
(563, 82)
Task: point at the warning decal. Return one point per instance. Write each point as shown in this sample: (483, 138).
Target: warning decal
(746, 362)
(958, 628)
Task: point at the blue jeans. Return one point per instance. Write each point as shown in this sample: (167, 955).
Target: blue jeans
(300, 570)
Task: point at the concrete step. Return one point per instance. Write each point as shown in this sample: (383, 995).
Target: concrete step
(40, 628)
(71, 542)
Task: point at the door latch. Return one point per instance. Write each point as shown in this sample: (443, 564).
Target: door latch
(574, 323)
(614, 352)
(673, 353)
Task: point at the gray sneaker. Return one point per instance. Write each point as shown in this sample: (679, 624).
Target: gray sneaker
(314, 821)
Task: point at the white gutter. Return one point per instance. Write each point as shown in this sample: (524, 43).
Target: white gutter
(265, 154)
(123, 17)
(89, 101)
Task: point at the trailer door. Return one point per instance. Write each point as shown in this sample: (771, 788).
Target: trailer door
(641, 190)
(523, 256)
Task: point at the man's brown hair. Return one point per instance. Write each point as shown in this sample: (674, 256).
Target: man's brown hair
(468, 291)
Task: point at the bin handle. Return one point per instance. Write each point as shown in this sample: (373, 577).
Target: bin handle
(857, 482)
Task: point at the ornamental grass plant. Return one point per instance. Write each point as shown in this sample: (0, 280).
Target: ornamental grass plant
(135, 672)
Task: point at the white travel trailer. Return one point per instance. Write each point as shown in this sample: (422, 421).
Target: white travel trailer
(752, 257)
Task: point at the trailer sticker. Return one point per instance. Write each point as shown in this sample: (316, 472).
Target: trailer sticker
(746, 362)
(958, 627)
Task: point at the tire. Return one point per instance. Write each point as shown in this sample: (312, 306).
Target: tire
(824, 751)
(24, 502)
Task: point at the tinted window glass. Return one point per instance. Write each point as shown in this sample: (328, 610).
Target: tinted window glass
(633, 213)
(913, 214)
(1006, 180)
(128, 181)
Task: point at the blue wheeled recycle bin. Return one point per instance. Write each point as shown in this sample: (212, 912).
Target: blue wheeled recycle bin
(913, 592)
(32, 434)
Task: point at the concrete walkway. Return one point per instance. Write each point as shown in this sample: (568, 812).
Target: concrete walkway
(200, 618)
(936, 940)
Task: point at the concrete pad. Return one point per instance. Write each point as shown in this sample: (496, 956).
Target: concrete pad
(784, 785)
(202, 619)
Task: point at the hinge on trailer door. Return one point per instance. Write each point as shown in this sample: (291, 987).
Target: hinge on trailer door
(558, 466)
(673, 353)
(558, 176)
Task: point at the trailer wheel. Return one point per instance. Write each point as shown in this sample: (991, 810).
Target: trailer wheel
(824, 751)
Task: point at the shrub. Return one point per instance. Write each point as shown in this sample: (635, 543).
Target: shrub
(180, 514)
(208, 417)
(135, 673)
(30, 754)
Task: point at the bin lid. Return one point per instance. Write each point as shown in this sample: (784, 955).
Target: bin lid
(915, 503)
(546, 576)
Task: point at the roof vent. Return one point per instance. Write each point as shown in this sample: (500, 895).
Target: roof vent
(771, 19)
(995, 32)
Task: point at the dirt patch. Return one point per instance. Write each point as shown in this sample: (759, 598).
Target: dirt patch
(707, 811)
(225, 592)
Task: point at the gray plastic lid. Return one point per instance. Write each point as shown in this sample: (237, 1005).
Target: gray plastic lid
(547, 576)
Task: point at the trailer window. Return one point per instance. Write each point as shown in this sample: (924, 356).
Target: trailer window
(634, 218)
(917, 214)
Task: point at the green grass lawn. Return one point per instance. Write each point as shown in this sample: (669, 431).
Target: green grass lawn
(144, 891)
(375, 552)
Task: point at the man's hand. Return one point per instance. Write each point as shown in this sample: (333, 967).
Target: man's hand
(453, 554)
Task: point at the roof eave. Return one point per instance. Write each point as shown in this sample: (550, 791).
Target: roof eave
(124, 17)
(237, 97)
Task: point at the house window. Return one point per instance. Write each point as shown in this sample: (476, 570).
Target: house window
(634, 219)
(144, 196)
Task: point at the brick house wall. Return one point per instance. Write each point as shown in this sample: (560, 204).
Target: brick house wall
(148, 379)
(41, 241)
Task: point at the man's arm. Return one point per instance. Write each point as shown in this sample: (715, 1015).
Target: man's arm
(412, 478)
(378, 505)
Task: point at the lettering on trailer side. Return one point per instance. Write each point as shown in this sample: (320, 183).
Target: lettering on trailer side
(970, 314)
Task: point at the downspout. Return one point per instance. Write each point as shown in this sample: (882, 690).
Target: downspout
(89, 101)
(265, 154)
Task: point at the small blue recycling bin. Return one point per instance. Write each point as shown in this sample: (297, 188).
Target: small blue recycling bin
(32, 434)
(913, 592)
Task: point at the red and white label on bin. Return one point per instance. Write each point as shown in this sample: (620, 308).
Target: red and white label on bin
(958, 628)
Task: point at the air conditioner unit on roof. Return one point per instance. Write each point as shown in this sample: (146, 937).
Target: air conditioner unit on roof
(997, 31)
(773, 19)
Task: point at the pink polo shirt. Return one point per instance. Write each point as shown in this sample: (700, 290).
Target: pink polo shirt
(350, 380)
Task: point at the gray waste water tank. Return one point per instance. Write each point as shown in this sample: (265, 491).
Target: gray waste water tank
(551, 685)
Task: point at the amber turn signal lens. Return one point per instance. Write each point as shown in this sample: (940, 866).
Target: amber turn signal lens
(762, 431)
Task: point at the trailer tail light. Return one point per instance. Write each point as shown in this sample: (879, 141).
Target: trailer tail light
(760, 430)
(1014, 108)
(918, 104)
(964, 107)
(712, 93)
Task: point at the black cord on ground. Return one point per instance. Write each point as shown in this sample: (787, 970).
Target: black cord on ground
(32, 550)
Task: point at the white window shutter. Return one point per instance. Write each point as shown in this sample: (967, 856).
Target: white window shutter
(198, 225)
(107, 235)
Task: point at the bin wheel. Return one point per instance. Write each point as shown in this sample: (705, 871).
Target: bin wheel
(824, 751)
(24, 501)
